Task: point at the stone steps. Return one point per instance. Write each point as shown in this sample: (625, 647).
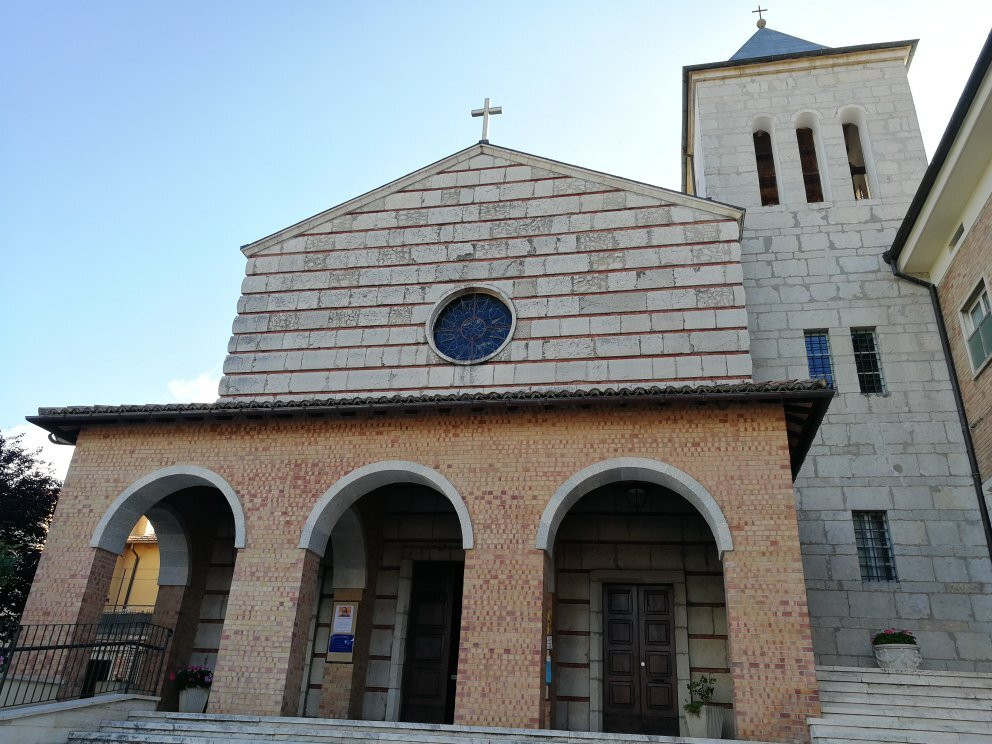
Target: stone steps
(873, 705)
(185, 728)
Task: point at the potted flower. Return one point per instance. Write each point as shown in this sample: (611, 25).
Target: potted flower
(896, 649)
(702, 720)
(194, 687)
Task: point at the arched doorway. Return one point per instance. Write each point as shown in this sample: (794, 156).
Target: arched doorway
(392, 537)
(640, 606)
(190, 523)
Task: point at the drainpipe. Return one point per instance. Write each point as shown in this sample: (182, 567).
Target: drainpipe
(976, 476)
(134, 573)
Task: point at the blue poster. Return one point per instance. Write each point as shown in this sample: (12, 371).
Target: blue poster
(341, 644)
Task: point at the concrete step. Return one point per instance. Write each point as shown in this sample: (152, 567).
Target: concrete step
(830, 709)
(922, 676)
(824, 732)
(897, 699)
(909, 691)
(893, 721)
(186, 728)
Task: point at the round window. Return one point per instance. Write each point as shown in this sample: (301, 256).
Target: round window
(471, 327)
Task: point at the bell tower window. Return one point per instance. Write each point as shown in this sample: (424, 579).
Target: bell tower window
(810, 164)
(764, 157)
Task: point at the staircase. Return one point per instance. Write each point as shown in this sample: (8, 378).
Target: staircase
(187, 728)
(873, 705)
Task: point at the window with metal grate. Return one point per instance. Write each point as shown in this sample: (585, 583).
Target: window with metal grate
(821, 366)
(867, 361)
(871, 535)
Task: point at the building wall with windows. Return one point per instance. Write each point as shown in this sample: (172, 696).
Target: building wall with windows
(821, 302)
(965, 293)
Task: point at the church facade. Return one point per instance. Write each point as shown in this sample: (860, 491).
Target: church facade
(510, 442)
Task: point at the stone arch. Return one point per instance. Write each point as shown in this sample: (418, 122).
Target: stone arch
(348, 552)
(338, 499)
(115, 525)
(173, 545)
(629, 469)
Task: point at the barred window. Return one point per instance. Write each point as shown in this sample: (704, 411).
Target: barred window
(867, 361)
(871, 534)
(821, 366)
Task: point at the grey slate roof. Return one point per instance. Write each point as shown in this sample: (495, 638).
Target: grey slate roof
(767, 42)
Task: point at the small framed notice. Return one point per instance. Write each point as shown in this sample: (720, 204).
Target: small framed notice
(343, 622)
(340, 647)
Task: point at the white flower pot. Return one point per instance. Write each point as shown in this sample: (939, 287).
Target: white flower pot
(897, 655)
(707, 725)
(193, 699)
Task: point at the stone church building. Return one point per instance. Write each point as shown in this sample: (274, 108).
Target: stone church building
(514, 443)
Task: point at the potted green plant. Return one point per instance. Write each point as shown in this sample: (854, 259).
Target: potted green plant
(896, 649)
(703, 720)
(194, 687)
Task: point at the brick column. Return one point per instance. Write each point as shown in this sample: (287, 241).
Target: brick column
(501, 649)
(70, 586)
(770, 644)
(262, 655)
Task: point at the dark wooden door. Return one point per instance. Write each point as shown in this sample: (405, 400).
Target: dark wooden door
(431, 664)
(639, 685)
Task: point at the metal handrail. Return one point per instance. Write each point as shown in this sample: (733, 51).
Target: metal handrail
(49, 663)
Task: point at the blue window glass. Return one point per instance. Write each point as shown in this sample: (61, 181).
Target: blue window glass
(472, 327)
(821, 367)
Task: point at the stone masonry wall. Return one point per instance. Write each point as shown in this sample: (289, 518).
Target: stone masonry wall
(819, 267)
(506, 465)
(610, 286)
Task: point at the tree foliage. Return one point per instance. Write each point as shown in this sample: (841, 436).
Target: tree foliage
(28, 492)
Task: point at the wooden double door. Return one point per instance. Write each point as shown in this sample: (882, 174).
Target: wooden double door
(639, 683)
(430, 670)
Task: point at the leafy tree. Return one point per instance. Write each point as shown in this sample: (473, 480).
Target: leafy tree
(28, 492)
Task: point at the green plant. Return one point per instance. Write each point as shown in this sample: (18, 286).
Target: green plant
(893, 635)
(192, 676)
(701, 692)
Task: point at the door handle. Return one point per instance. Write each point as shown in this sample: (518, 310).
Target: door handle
(642, 663)
(454, 677)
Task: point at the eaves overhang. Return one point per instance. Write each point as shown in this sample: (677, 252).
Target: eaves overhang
(963, 151)
(804, 402)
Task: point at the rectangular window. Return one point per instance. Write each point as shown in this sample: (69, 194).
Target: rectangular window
(821, 366)
(811, 169)
(867, 361)
(977, 321)
(871, 534)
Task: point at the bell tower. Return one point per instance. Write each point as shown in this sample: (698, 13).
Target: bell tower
(822, 147)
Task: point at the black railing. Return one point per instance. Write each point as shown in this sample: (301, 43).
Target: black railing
(49, 663)
(116, 614)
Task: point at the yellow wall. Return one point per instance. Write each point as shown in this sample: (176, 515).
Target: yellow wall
(144, 588)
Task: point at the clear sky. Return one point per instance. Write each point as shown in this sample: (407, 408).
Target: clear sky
(141, 143)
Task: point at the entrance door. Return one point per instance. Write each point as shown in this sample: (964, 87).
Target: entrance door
(431, 664)
(639, 660)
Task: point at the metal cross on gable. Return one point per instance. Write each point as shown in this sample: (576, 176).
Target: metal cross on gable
(485, 112)
(759, 11)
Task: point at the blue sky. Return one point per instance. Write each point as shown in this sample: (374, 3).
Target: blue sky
(142, 143)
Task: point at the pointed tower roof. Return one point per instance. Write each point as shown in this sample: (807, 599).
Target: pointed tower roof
(767, 42)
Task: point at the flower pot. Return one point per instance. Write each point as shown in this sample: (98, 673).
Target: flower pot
(193, 699)
(897, 655)
(707, 725)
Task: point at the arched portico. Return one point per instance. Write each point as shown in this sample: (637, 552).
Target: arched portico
(115, 525)
(633, 469)
(351, 487)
